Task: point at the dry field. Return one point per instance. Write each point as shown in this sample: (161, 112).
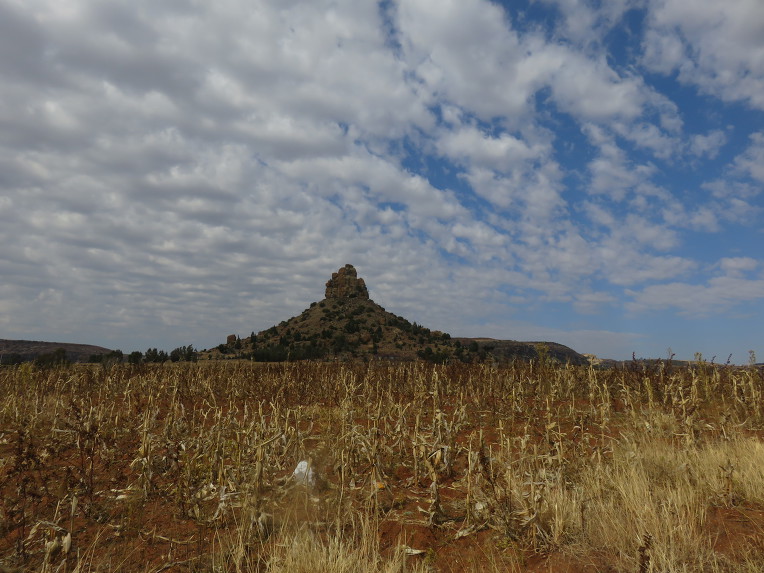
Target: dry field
(532, 467)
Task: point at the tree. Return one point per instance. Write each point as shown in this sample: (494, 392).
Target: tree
(339, 343)
(184, 353)
(11, 359)
(52, 359)
(154, 355)
(113, 357)
(135, 357)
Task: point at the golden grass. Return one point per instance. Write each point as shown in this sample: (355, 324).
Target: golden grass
(188, 467)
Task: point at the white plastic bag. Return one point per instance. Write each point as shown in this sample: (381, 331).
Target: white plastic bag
(303, 474)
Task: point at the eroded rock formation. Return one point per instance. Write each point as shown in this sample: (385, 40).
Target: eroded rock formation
(346, 284)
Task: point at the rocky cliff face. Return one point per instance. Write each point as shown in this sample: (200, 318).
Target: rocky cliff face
(346, 284)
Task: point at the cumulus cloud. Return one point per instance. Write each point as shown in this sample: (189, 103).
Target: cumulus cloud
(585, 22)
(718, 295)
(717, 47)
(737, 266)
(736, 280)
(707, 145)
(613, 174)
(186, 168)
(751, 162)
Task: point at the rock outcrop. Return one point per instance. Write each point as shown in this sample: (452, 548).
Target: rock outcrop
(346, 284)
(348, 325)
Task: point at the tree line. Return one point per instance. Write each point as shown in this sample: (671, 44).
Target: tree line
(59, 357)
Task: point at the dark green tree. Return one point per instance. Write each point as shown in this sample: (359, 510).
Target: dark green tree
(184, 354)
(11, 359)
(52, 359)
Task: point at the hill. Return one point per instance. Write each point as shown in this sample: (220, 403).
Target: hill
(23, 350)
(347, 325)
(508, 350)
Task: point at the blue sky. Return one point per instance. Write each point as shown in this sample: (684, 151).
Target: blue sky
(583, 172)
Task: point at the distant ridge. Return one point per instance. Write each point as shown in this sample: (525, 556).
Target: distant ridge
(348, 325)
(508, 350)
(31, 349)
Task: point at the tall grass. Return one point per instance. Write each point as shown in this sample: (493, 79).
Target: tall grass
(149, 468)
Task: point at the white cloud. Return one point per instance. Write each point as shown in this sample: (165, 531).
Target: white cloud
(228, 156)
(592, 302)
(623, 249)
(737, 266)
(612, 172)
(664, 52)
(725, 189)
(735, 285)
(702, 218)
(467, 53)
(751, 162)
(716, 296)
(498, 153)
(584, 23)
(385, 181)
(649, 233)
(591, 90)
(735, 196)
(707, 145)
(718, 47)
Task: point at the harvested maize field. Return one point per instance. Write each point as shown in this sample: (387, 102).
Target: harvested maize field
(246, 467)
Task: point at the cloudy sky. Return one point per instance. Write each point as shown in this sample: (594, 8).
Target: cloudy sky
(580, 171)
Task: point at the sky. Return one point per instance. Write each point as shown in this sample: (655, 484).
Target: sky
(587, 172)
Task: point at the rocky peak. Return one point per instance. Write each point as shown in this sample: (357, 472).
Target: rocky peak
(346, 284)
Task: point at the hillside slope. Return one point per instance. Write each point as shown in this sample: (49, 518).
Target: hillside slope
(347, 324)
(32, 349)
(508, 350)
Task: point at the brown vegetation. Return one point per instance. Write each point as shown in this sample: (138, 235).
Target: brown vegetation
(413, 467)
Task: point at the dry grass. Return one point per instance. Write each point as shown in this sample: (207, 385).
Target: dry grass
(414, 468)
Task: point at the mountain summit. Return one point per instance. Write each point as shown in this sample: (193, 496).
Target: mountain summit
(348, 325)
(346, 284)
